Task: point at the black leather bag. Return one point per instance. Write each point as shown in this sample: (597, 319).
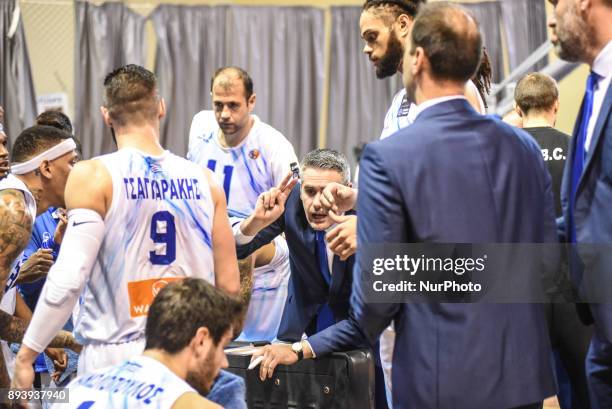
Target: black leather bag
(342, 380)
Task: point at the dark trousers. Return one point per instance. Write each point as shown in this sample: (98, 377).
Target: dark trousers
(599, 372)
(570, 340)
(530, 406)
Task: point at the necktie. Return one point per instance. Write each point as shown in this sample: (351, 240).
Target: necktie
(325, 317)
(579, 151)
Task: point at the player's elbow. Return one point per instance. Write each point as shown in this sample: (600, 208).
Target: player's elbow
(232, 288)
(229, 281)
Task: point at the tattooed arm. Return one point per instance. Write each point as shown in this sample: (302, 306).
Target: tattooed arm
(15, 231)
(13, 328)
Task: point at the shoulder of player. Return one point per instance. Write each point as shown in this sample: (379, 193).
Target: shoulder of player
(202, 121)
(205, 115)
(92, 169)
(215, 190)
(14, 201)
(269, 135)
(15, 226)
(192, 400)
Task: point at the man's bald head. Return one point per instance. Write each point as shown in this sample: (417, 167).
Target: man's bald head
(450, 38)
(225, 78)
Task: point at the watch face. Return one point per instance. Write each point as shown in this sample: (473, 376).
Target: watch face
(296, 346)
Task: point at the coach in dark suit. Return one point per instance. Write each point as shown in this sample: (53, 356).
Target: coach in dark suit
(582, 34)
(455, 176)
(320, 282)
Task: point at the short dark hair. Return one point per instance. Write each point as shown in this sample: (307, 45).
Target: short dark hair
(242, 75)
(56, 119)
(182, 307)
(35, 140)
(328, 159)
(395, 7)
(536, 92)
(451, 42)
(130, 95)
(59, 120)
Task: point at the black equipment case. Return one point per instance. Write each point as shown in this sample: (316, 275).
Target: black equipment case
(342, 380)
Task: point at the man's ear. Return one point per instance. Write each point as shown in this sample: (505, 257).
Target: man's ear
(584, 5)
(202, 340)
(403, 23)
(418, 61)
(44, 169)
(161, 108)
(518, 110)
(106, 116)
(556, 106)
(251, 102)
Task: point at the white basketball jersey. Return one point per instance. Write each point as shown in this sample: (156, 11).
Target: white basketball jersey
(269, 294)
(139, 382)
(158, 229)
(7, 304)
(402, 113)
(398, 115)
(245, 171)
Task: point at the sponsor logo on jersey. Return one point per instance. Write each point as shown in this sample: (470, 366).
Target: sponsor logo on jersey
(208, 136)
(254, 154)
(142, 293)
(404, 107)
(46, 240)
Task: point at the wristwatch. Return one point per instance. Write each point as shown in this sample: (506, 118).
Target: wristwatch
(298, 349)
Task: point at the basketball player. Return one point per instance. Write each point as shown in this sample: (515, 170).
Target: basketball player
(385, 25)
(248, 157)
(139, 218)
(43, 157)
(189, 324)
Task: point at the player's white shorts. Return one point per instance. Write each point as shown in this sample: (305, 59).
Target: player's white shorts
(96, 356)
(387, 345)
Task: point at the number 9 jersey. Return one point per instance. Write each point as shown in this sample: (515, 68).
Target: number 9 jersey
(158, 229)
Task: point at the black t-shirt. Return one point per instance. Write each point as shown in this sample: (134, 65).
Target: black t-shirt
(554, 145)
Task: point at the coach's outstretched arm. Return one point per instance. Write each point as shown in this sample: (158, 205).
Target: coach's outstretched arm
(15, 231)
(266, 222)
(227, 276)
(88, 197)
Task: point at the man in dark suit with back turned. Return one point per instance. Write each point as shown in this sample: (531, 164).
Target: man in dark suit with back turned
(455, 176)
(582, 33)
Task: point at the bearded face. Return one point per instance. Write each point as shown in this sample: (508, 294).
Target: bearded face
(570, 33)
(202, 377)
(390, 62)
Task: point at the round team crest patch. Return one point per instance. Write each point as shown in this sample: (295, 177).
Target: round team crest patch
(254, 154)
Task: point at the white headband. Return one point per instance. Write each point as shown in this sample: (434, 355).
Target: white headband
(54, 152)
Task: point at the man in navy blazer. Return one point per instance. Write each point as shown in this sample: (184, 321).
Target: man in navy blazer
(454, 176)
(581, 33)
(312, 296)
